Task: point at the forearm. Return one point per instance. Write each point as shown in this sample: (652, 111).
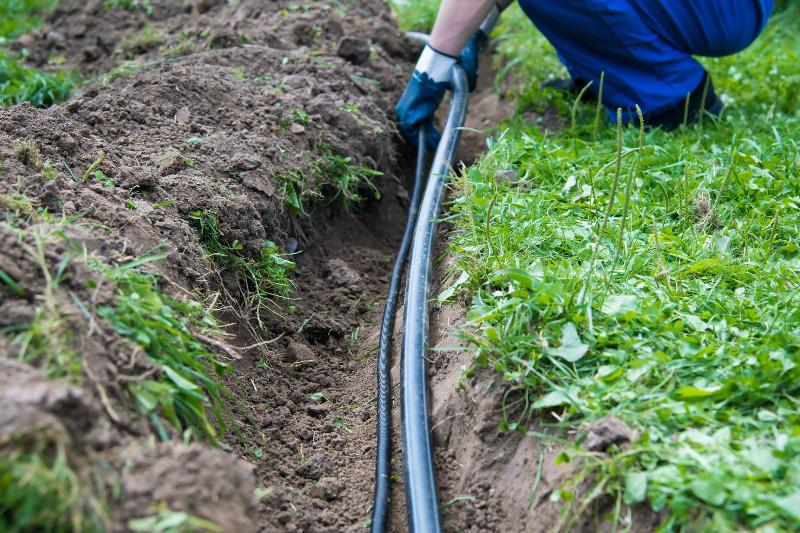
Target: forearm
(456, 22)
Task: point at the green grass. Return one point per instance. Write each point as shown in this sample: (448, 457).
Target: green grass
(653, 277)
(43, 486)
(40, 491)
(19, 83)
(47, 340)
(20, 16)
(265, 274)
(331, 178)
(189, 395)
(415, 15)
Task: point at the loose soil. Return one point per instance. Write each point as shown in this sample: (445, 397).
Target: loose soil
(265, 90)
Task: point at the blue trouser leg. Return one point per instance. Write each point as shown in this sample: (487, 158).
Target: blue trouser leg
(645, 47)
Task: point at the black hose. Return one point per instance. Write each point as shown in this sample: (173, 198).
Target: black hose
(421, 498)
(383, 459)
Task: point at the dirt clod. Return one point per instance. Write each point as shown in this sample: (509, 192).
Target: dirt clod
(209, 484)
(327, 488)
(353, 50)
(297, 351)
(172, 163)
(342, 275)
(314, 468)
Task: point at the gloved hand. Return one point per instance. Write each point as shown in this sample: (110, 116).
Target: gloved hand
(469, 57)
(431, 78)
(422, 96)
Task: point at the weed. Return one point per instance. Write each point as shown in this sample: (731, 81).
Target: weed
(124, 70)
(19, 83)
(166, 520)
(94, 166)
(140, 42)
(265, 275)
(20, 16)
(27, 153)
(40, 491)
(48, 172)
(189, 394)
(47, 339)
(415, 15)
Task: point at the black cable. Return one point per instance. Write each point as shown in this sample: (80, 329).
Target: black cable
(383, 456)
(420, 481)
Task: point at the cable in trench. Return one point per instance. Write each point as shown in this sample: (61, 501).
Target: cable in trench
(421, 497)
(383, 460)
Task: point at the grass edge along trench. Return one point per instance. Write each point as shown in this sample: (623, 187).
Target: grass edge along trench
(649, 276)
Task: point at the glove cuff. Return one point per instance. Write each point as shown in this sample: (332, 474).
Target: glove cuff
(438, 66)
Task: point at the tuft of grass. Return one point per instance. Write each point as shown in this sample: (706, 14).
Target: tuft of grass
(27, 153)
(332, 177)
(266, 274)
(189, 395)
(18, 17)
(47, 340)
(19, 83)
(40, 491)
(140, 42)
(652, 277)
(415, 15)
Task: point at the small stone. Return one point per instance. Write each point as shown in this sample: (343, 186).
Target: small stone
(297, 129)
(607, 431)
(183, 116)
(327, 488)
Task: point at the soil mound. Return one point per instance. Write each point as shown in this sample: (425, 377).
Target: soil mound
(265, 118)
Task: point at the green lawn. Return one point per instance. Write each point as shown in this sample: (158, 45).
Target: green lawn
(651, 276)
(20, 83)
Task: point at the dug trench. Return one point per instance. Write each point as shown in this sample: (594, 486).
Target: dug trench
(220, 137)
(209, 130)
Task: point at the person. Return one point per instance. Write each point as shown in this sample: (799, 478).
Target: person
(642, 49)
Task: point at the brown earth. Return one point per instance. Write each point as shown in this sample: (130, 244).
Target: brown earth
(268, 92)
